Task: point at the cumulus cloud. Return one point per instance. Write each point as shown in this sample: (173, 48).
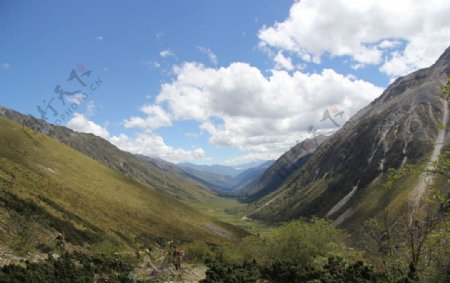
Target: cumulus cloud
(80, 123)
(156, 118)
(282, 62)
(154, 146)
(148, 144)
(370, 32)
(208, 52)
(239, 107)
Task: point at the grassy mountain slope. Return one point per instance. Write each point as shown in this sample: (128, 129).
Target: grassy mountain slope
(166, 180)
(343, 179)
(88, 202)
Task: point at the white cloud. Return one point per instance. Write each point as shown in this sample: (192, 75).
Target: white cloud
(153, 64)
(389, 44)
(357, 66)
(239, 107)
(211, 55)
(370, 32)
(247, 158)
(145, 143)
(100, 38)
(166, 53)
(420, 53)
(154, 146)
(156, 118)
(80, 123)
(90, 108)
(282, 62)
(5, 66)
(76, 98)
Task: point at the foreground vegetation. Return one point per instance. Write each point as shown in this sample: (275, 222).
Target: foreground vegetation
(74, 267)
(315, 251)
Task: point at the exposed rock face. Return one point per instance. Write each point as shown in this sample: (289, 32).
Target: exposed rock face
(397, 128)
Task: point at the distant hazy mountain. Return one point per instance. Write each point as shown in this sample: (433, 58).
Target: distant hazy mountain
(251, 175)
(214, 169)
(253, 164)
(226, 178)
(344, 177)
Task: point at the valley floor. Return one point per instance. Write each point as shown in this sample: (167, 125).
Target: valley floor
(232, 211)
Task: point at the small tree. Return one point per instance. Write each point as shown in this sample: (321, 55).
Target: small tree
(411, 244)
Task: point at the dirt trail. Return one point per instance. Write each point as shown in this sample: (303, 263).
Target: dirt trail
(426, 179)
(155, 266)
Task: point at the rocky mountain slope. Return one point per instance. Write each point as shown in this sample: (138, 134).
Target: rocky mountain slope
(344, 178)
(281, 170)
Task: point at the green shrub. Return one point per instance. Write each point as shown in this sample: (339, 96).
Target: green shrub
(297, 241)
(67, 268)
(197, 251)
(219, 271)
(335, 270)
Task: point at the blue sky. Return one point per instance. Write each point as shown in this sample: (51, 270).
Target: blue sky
(210, 81)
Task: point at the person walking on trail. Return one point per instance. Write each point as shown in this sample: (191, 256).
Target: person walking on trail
(177, 256)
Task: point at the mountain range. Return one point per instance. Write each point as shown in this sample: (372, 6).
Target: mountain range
(226, 179)
(343, 178)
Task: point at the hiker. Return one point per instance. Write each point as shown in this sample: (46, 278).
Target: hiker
(60, 242)
(177, 256)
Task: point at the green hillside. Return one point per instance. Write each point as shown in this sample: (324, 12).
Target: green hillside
(165, 179)
(46, 182)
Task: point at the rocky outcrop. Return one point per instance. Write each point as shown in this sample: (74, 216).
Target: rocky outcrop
(399, 127)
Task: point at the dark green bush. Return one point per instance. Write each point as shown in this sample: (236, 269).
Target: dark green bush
(219, 271)
(335, 270)
(75, 267)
